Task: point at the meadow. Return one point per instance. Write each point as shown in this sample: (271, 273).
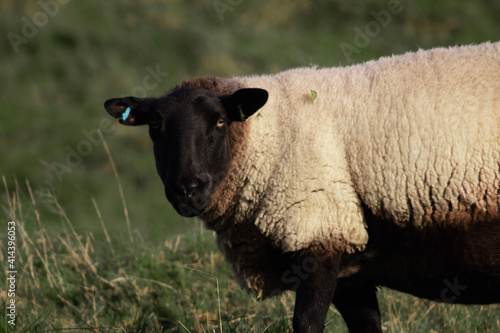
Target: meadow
(98, 248)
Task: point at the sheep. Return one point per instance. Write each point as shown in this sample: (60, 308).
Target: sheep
(332, 182)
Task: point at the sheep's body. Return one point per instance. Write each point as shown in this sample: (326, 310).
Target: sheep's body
(390, 176)
(414, 138)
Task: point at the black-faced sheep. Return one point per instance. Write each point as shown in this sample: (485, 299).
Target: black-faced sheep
(388, 176)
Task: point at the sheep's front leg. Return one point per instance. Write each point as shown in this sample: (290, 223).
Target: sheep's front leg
(358, 306)
(314, 294)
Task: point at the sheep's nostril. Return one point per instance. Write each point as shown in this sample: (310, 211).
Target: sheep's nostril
(191, 190)
(195, 189)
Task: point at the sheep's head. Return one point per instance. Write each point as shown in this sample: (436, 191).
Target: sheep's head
(190, 132)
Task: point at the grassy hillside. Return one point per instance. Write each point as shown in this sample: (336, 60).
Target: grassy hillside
(96, 282)
(62, 59)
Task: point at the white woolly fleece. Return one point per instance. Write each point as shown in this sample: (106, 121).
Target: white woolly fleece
(414, 137)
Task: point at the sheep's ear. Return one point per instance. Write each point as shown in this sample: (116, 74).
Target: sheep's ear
(243, 103)
(131, 111)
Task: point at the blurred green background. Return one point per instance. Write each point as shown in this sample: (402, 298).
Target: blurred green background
(62, 59)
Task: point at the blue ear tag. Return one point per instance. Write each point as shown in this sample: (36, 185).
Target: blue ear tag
(126, 113)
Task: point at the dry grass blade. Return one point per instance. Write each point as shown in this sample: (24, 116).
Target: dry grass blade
(12, 212)
(19, 206)
(102, 224)
(120, 189)
(33, 202)
(218, 302)
(130, 278)
(187, 330)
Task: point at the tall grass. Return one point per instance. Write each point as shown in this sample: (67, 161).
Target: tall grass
(82, 282)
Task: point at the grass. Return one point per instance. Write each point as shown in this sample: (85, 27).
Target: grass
(83, 282)
(101, 259)
(78, 282)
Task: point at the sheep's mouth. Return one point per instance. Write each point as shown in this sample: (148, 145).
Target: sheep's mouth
(190, 205)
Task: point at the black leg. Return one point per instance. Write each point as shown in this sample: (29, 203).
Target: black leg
(318, 279)
(359, 308)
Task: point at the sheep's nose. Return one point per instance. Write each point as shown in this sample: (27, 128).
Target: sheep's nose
(196, 186)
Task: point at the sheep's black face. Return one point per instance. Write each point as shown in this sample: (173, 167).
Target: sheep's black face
(191, 148)
(190, 132)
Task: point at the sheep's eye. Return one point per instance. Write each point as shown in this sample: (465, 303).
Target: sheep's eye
(220, 122)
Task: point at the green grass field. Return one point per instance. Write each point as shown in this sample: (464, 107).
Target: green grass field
(98, 248)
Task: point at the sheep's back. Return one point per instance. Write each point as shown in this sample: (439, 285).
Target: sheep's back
(423, 136)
